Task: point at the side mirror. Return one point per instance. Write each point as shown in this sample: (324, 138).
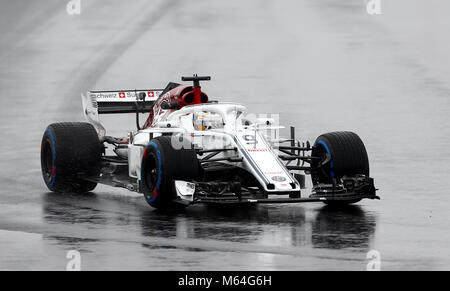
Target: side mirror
(169, 124)
(265, 121)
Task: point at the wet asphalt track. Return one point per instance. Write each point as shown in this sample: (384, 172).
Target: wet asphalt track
(322, 65)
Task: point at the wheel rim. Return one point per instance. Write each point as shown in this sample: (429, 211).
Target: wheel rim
(151, 172)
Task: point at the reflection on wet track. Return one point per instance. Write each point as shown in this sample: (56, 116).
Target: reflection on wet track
(282, 230)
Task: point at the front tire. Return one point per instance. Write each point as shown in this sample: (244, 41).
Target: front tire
(70, 150)
(348, 158)
(161, 165)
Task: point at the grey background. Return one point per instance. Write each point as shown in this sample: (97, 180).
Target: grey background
(323, 65)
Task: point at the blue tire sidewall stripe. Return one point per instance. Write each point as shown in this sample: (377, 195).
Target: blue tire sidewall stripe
(158, 155)
(52, 139)
(321, 142)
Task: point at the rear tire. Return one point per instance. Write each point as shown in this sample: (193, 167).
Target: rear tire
(68, 151)
(348, 158)
(161, 165)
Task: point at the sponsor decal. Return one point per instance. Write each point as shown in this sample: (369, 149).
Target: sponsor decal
(278, 178)
(123, 96)
(101, 96)
(257, 150)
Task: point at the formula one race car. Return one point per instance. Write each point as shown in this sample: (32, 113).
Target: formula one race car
(193, 150)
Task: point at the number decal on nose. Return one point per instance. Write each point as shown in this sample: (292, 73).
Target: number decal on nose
(250, 139)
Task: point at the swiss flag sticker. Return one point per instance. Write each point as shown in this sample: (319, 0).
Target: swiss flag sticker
(121, 95)
(151, 94)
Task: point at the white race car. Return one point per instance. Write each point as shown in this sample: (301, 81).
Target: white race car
(193, 150)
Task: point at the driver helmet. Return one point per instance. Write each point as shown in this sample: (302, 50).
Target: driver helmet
(206, 120)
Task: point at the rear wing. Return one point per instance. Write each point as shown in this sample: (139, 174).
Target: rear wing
(112, 102)
(125, 101)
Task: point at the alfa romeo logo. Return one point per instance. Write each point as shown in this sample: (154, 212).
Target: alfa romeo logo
(278, 178)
